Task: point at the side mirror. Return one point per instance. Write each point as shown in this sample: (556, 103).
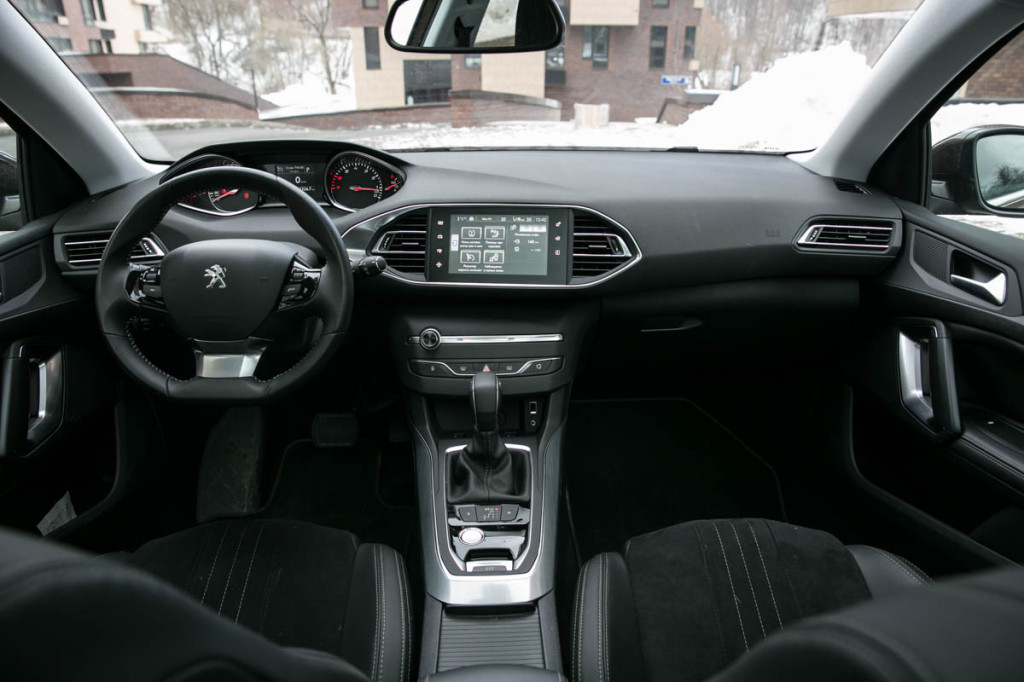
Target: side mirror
(474, 26)
(980, 170)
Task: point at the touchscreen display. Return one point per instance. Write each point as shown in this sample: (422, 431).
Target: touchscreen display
(494, 244)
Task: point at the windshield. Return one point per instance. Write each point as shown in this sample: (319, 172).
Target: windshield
(751, 75)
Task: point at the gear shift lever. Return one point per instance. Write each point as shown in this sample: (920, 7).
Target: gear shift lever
(486, 471)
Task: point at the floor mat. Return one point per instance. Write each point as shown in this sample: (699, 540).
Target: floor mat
(339, 487)
(635, 466)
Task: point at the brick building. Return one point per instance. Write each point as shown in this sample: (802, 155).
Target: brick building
(95, 26)
(615, 52)
(1002, 78)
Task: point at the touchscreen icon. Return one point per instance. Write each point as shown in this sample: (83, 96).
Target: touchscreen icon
(495, 233)
(469, 257)
(494, 257)
(471, 232)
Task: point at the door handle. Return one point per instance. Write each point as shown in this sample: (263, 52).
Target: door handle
(994, 290)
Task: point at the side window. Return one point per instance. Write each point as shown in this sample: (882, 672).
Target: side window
(978, 146)
(10, 199)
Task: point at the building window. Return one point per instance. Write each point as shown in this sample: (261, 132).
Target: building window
(554, 65)
(95, 47)
(472, 61)
(372, 48)
(689, 41)
(659, 38)
(88, 12)
(371, 4)
(60, 45)
(595, 45)
(427, 80)
(659, 3)
(147, 17)
(42, 11)
(107, 47)
(101, 12)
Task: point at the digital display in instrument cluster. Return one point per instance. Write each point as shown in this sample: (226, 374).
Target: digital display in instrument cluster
(513, 244)
(306, 176)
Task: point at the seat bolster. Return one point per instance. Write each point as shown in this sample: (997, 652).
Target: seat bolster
(378, 633)
(606, 636)
(884, 572)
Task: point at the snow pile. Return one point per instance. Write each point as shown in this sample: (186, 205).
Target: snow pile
(953, 118)
(309, 97)
(794, 105)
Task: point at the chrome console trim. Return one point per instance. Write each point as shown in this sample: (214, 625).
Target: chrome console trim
(371, 225)
(494, 338)
(491, 589)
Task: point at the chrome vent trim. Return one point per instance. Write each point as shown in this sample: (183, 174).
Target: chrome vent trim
(403, 243)
(848, 234)
(598, 248)
(87, 251)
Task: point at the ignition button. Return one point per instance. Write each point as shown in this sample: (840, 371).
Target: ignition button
(471, 536)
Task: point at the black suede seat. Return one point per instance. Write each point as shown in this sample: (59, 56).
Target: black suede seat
(685, 602)
(327, 607)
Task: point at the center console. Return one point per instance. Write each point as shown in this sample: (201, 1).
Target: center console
(488, 390)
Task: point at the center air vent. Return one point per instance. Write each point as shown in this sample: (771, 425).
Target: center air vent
(848, 234)
(86, 251)
(598, 247)
(404, 243)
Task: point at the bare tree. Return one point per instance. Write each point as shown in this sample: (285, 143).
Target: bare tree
(331, 43)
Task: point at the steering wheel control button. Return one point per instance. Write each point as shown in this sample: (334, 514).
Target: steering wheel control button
(430, 339)
(471, 536)
(430, 368)
(300, 285)
(467, 513)
(152, 291)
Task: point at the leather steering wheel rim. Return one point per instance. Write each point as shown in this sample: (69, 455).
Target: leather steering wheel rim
(115, 308)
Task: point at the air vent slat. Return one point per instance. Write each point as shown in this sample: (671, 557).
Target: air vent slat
(848, 234)
(404, 243)
(85, 252)
(849, 186)
(598, 247)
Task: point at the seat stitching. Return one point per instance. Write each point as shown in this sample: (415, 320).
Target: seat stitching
(600, 613)
(575, 626)
(785, 573)
(213, 567)
(401, 606)
(376, 621)
(912, 567)
(607, 662)
(252, 560)
(407, 615)
(732, 587)
(231, 571)
(753, 594)
(917, 580)
(583, 597)
(711, 592)
(767, 578)
(383, 617)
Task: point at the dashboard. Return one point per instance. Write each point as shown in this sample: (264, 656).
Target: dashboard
(611, 221)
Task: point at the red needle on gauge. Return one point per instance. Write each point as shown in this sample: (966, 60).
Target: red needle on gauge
(362, 189)
(224, 193)
(389, 187)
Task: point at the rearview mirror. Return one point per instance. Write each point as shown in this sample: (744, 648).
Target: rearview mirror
(980, 170)
(474, 26)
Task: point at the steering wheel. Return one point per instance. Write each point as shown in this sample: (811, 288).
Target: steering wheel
(229, 298)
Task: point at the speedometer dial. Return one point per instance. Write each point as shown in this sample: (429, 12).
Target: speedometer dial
(355, 181)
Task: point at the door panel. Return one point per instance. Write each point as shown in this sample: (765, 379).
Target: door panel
(940, 418)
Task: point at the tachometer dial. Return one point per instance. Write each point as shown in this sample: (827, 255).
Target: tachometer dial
(354, 182)
(232, 200)
(392, 183)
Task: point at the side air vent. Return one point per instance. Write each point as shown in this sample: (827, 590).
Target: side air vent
(87, 251)
(848, 234)
(849, 186)
(404, 243)
(598, 247)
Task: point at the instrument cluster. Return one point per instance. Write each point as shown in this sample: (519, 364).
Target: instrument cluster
(349, 180)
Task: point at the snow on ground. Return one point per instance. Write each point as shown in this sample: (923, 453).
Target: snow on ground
(309, 97)
(953, 118)
(793, 106)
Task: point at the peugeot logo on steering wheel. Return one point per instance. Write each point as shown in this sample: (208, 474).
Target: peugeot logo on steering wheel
(216, 273)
